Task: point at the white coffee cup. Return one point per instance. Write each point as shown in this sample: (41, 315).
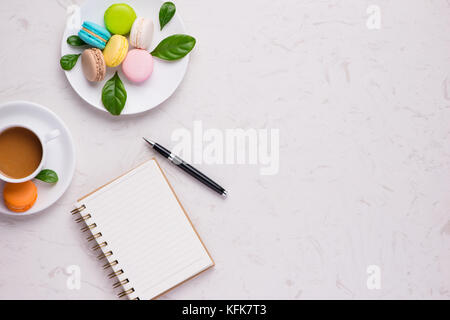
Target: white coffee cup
(44, 139)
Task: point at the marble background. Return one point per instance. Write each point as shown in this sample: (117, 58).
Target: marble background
(364, 179)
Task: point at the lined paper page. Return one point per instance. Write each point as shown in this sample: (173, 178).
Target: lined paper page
(147, 231)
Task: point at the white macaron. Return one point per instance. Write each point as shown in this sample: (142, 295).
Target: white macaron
(141, 33)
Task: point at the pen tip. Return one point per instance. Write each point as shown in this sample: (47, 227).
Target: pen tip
(150, 142)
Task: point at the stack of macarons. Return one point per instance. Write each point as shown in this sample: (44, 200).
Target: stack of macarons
(120, 20)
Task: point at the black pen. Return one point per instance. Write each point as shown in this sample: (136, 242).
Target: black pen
(187, 167)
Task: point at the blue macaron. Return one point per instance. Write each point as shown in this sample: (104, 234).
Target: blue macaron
(94, 35)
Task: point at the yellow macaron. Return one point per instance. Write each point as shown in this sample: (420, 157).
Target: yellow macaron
(19, 197)
(115, 51)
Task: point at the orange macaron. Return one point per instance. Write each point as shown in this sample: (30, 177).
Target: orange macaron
(20, 197)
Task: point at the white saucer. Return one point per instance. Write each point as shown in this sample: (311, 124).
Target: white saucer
(60, 156)
(166, 76)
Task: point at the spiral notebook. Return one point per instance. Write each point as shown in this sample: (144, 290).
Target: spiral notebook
(144, 233)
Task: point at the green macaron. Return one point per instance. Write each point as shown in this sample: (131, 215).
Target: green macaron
(119, 18)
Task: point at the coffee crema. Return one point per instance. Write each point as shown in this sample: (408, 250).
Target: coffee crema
(20, 152)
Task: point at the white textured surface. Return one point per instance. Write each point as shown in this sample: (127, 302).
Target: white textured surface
(364, 119)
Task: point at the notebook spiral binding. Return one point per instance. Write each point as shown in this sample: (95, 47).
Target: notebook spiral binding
(100, 245)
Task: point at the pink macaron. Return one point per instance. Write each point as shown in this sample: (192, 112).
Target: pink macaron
(138, 65)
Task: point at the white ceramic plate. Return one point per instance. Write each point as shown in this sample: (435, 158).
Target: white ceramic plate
(60, 156)
(142, 97)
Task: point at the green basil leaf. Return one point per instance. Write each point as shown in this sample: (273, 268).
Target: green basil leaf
(75, 41)
(69, 61)
(114, 95)
(48, 176)
(166, 13)
(174, 47)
